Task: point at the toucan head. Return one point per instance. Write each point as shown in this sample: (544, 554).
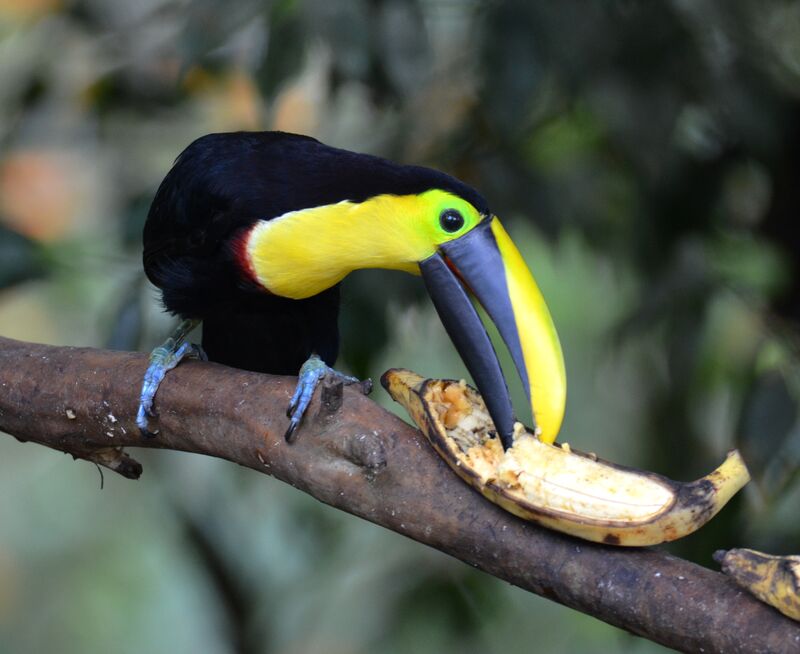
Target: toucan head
(481, 259)
(460, 249)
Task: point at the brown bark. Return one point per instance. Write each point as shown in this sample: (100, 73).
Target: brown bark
(361, 459)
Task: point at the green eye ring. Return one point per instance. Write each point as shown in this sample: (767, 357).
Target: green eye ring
(451, 220)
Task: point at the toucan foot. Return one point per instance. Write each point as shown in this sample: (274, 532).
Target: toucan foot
(164, 358)
(311, 373)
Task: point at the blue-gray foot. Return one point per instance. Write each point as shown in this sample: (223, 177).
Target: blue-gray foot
(164, 358)
(311, 373)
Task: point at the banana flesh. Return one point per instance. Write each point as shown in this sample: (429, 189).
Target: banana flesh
(552, 485)
(772, 579)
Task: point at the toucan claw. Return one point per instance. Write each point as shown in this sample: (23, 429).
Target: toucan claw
(163, 359)
(311, 374)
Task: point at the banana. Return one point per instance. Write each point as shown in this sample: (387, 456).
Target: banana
(552, 485)
(772, 579)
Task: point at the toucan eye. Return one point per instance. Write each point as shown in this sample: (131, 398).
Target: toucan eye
(451, 220)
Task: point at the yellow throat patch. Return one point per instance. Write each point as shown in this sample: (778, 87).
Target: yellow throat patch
(302, 253)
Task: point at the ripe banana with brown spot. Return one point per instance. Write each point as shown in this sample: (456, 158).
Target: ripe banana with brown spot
(772, 579)
(552, 485)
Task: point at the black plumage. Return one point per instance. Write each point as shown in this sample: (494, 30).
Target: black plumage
(219, 186)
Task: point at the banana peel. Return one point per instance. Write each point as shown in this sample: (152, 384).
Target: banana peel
(772, 579)
(565, 490)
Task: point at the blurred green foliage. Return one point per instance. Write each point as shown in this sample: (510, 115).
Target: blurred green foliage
(646, 158)
(19, 260)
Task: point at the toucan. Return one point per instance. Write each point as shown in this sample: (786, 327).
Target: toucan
(251, 234)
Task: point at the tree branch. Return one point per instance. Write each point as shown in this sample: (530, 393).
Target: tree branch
(364, 460)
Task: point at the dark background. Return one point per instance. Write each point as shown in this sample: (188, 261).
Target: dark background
(645, 158)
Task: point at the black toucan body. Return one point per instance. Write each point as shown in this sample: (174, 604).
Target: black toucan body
(251, 233)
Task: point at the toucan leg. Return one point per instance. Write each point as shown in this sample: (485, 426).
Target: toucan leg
(311, 373)
(164, 358)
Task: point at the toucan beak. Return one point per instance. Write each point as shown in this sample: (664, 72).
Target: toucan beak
(488, 264)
